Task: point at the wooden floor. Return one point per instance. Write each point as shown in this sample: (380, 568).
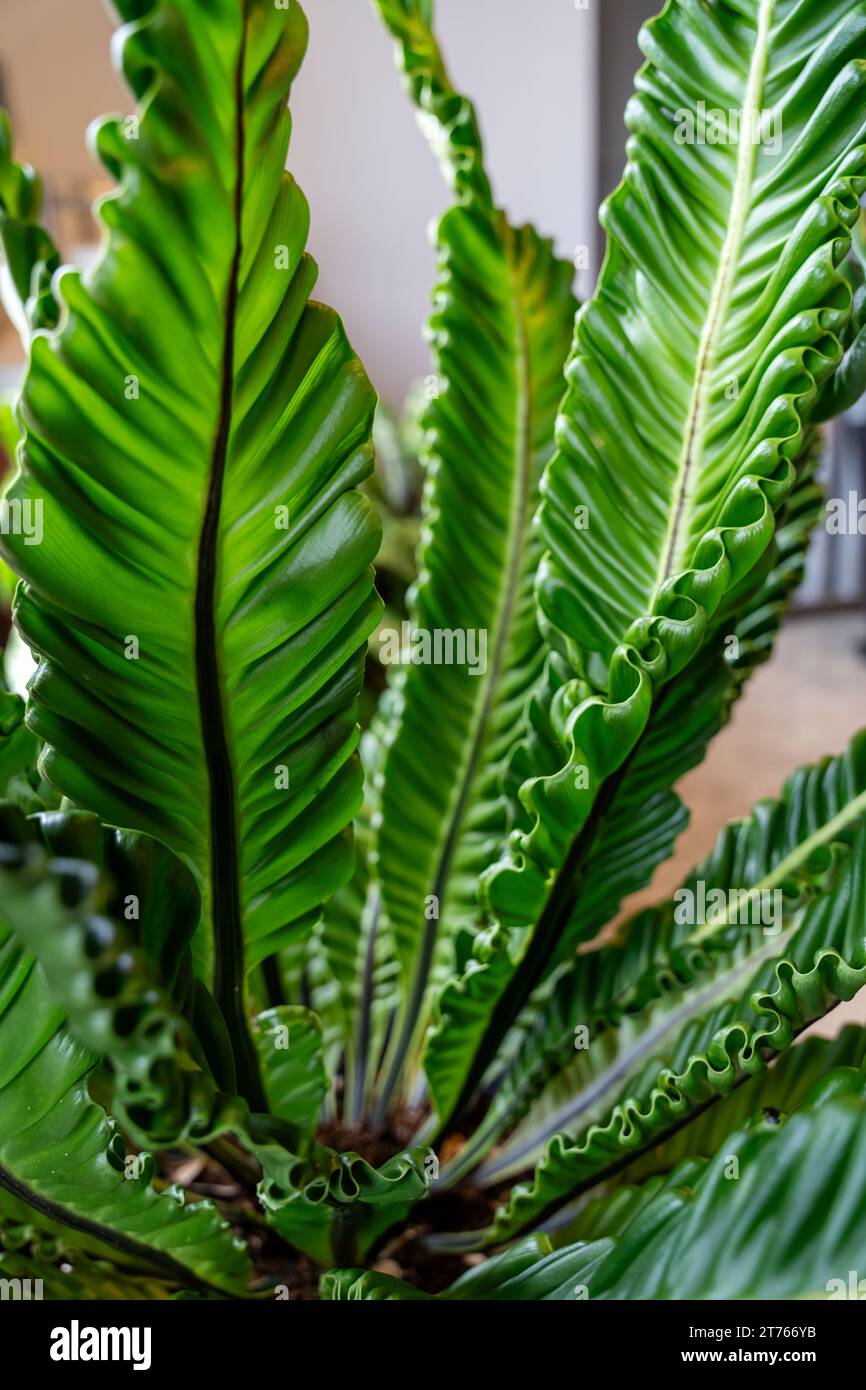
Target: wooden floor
(806, 702)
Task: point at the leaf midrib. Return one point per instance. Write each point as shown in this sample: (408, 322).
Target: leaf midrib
(787, 867)
(519, 511)
(479, 727)
(784, 870)
(672, 559)
(225, 895)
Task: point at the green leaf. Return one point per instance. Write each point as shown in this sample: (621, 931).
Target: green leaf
(289, 1040)
(18, 746)
(73, 891)
(80, 1278)
(645, 814)
(139, 882)
(792, 844)
(688, 1050)
(681, 1013)
(500, 333)
(58, 1151)
(368, 1286)
(530, 1272)
(791, 1224)
(756, 622)
(197, 430)
(608, 1216)
(397, 481)
(356, 966)
(717, 319)
(767, 1098)
(335, 1206)
(30, 255)
(849, 382)
(717, 314)
(446, 117)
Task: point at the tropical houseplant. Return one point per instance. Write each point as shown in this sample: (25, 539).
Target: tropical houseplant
(408, 1045)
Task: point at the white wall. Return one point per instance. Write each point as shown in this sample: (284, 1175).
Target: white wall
(374, 187)
(372, 184)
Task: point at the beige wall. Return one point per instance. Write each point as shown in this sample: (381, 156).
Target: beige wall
(56, 77)
(372, 185)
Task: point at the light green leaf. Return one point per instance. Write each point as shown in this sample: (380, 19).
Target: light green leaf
(335, 1206)
(196, 431)
(289, 1040)
(18, 748)
(717, 318)
(446, 117)
(500, 333)
(717, 314)
(29, 256)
